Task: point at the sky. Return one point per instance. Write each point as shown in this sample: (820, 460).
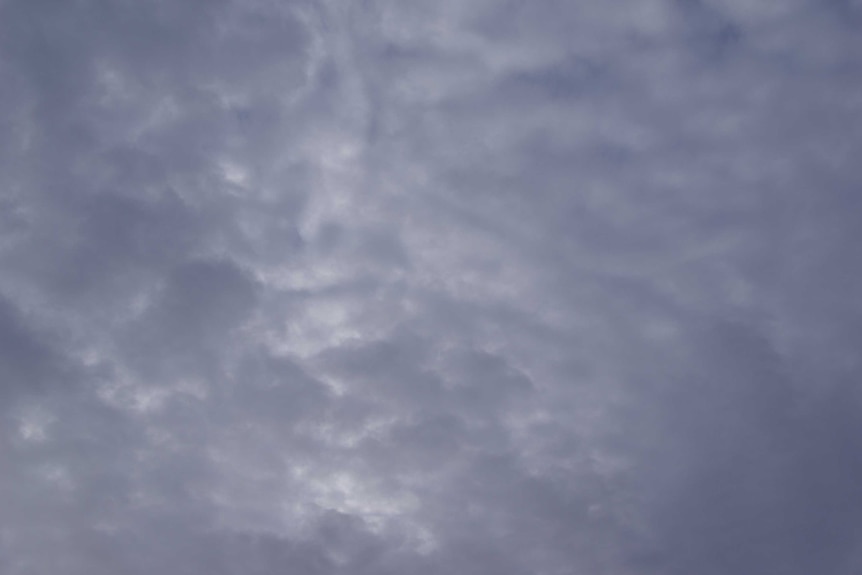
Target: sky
(563, 287)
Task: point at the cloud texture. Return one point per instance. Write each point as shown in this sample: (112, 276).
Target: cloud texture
(451, 287)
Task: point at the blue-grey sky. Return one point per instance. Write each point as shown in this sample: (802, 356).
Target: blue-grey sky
(431, 287)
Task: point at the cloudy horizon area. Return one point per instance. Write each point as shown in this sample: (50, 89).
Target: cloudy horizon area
(382, 287)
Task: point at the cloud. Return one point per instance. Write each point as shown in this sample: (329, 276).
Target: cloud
(461, 287)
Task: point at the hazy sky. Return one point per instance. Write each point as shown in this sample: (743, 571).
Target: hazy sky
(409, 287)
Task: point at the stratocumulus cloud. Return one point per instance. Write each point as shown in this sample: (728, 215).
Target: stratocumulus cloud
(471, 286)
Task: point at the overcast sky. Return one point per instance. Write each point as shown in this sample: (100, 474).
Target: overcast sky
(391, 287)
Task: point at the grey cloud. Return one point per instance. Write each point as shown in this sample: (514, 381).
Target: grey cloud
(27, 360)
(472, 287)
(757, 490)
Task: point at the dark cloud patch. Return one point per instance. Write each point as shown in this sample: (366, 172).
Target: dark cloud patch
(28, 359)
(202, 297)
(190, 317)
(739, 474)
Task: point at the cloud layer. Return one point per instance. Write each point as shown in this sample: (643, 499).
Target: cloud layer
(439, 287)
